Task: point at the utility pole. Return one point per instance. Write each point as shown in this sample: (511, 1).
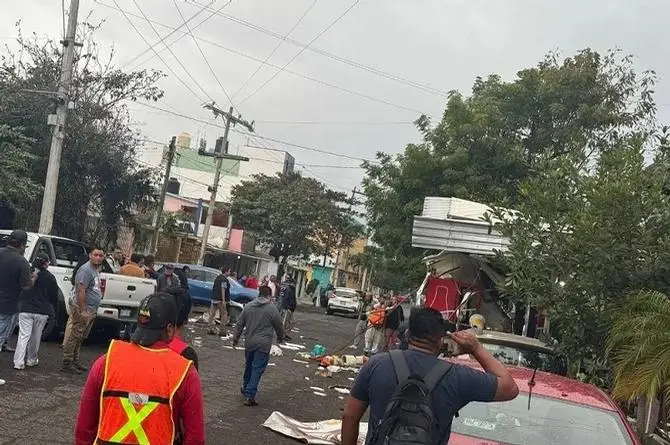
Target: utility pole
(220, 153)
(354, 192)
(161, 200)
(57, 121)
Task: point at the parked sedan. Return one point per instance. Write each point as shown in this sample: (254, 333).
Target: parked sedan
(200, 283)
(558, 411)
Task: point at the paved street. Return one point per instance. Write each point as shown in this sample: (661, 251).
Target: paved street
(39, 405)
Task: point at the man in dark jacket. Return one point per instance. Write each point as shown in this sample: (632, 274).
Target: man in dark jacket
(289, 303)
(183, 274)
(36, 305)
(260, 321)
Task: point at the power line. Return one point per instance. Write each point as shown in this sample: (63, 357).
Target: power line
(188, 73)
(335, 123)
(279, 141)
(190, 31)
(161, 40)
(154, 50)
(418, 85)
(295, 73)
(318, 36)
(283, 39)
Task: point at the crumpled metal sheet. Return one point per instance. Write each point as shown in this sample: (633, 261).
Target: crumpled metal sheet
(325, 432)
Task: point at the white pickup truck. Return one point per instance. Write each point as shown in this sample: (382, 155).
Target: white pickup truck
(121, 295)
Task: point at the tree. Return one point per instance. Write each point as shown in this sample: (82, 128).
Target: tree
(487, 144)
(294, 214)
(98, 172)
(15, 167)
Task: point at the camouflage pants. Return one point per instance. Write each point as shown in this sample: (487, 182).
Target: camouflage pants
(76, 331)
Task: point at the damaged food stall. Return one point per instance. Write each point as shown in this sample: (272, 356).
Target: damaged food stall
(461, 279)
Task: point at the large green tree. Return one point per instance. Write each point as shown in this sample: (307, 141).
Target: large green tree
(296, 215)
(486, 144)
(99, 174)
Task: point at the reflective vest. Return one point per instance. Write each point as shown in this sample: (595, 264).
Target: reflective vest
(178, 345)
(376, 317)
(136, 397)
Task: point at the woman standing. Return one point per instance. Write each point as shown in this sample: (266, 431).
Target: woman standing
(35, 307)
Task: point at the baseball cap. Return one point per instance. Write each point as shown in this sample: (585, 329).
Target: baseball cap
(41, 260)
(17, 237)
(155, 313)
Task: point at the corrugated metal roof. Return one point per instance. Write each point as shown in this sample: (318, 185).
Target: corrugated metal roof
(443, 208)
(454, 235)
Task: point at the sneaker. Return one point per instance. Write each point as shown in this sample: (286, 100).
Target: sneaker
(250, 402)
(19, 368)
(80, 367)
(32, 364)
(7, 348)
(69, 368)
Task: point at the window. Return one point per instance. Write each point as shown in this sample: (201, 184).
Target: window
(67, 252)
(527, 357)
(42, 247)
(548, 421)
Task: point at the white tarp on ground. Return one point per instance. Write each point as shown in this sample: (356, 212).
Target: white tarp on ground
(325, 432)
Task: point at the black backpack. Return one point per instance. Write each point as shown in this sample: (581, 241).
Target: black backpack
(409, 419)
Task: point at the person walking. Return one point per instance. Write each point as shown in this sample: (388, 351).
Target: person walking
(289, 303)
(82, 309)
(178, 345)
(220, 298)
(364, 306)
(141, 392)
(134, 267)
(183, 274)
(260, 321)
(36, 305)
(394, 317)
(15, 277)
(274, 288)
(382, 379)
(168, 278)
(375, 330)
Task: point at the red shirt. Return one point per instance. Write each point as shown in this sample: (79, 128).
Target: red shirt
(252, 283)
(187, 405)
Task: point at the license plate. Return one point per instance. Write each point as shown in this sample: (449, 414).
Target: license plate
(124, 313)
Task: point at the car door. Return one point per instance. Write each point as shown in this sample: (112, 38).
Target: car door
(65, 255)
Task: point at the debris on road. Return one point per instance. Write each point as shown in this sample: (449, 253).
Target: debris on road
(291, 346)
(325, 432)
(300, 361)
(316, 388)
(319, 394)
(276, 351)
(318, 350)
(341, 389)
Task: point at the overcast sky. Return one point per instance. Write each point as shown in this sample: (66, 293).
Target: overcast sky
(438, 45)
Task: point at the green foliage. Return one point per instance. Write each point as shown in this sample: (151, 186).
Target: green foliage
(299, 215)
(15, 185)
(98, 168)
(638, 347)
(487, 144)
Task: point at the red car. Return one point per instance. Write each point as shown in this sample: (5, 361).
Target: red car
(562, 411)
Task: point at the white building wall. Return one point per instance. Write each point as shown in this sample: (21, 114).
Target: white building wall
(195, 183)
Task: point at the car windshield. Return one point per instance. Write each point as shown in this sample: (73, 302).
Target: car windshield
(234, 282)
(345, 293)
(527, 357)
(548, 421)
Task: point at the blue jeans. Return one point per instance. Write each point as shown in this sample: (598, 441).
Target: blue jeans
(7, 326)
(256, 362)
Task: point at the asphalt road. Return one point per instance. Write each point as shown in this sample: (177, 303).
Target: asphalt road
(39, 405)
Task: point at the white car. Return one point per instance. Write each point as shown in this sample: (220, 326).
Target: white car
(344, 300)
(121, 295)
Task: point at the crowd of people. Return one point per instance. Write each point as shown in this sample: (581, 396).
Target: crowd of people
(148, 390)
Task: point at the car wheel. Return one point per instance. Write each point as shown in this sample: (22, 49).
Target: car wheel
(234, 313)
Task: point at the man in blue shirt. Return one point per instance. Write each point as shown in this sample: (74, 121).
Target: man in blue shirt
(376, 382)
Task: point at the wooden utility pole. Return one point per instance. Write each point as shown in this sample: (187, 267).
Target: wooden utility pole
(57, 121)
(161, 200)
(220, 155)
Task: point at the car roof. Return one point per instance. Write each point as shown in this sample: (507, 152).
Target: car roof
(513, 339)
(34, 235)
(551, 385)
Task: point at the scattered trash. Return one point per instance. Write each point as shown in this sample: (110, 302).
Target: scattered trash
(318, 350)
(307, 378)
(292, 346)
(2, 382)
(323, 372)
(272, 364)
(319, 394)
(352, 379)
(228, 347)
(334, 368)
(198, 338)
(303, 356)
(325, 432)
(341, 389)
(340, 397)
(300, 361)
(276, 351)
(317, 388)
(227, 337)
